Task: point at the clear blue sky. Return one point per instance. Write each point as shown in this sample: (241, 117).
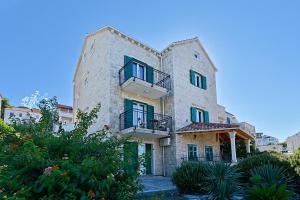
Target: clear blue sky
(254, 44)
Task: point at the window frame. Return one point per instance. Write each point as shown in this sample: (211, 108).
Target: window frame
(199, 115)
(136, 68)
(212, 150)
(195, 153)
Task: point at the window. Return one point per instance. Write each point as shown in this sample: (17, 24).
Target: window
(192, 152)
(209, 153)
(138, 71)
(228, 120)
(199, 116)
(198, 80)
(196, 54)
(20, 114)
(11, 114)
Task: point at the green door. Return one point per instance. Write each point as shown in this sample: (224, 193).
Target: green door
(148, 159)
(131, 156)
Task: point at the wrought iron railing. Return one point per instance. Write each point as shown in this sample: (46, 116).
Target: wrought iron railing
(143, 119)
(159, 78)
(201, 158)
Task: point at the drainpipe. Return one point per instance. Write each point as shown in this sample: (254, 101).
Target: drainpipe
(163, 112)
(163, 161)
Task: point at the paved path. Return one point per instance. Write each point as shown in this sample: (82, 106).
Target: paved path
(156, 184)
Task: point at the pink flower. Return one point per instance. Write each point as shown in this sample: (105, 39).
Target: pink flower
(48, 171)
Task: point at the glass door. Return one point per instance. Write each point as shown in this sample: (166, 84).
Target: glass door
(138, 71)
(139, 115)
(209, 153)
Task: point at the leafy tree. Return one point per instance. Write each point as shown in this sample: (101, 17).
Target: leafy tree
(4, 104)
(295, 161)
(41, 164)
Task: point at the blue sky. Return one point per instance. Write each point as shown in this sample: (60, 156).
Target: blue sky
(254, 44)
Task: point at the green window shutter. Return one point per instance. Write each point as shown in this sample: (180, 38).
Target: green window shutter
(131, 156)
(193, 114)
(203, 82)
(128, 72)
(150, 117)
(128, 114)
(206, 116)
(192, 77)
(149, 74)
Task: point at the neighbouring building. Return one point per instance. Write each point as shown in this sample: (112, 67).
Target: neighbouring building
(230, 118)
(271, 147)
(249, 128)
(65, 114)
(21, 113)
(293, 142)
(166, 100)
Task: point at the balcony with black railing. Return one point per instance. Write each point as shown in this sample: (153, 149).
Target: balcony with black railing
(138, 77)
(144, 122)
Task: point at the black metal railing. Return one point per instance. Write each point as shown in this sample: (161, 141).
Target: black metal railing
(208, 158)
(159, 78)
(143, 119)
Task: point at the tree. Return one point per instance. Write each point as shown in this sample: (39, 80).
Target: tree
(4, 104)
(41, 164)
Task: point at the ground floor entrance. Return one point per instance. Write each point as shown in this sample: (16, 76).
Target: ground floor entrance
(139, 157)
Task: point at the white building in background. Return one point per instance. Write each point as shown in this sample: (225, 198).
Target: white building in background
(230, 118)
(293, 142)
(249, 128)
(65, 114)
(21, 113)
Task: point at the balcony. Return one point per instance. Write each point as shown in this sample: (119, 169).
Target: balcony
(138, 77)
(144, 123)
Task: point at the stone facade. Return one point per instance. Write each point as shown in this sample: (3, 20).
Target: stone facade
(96, 81)
(293, 142)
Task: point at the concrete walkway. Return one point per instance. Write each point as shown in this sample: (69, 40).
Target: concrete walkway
(156, 184)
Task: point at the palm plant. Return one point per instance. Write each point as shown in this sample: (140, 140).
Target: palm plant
(223, 181)
(269, 182)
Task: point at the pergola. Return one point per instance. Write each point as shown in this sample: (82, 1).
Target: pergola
(226, 133)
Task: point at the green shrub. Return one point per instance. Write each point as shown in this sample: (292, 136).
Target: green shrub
(295, 161)
(249, 163)
(5, 128)
(190, 177)
(67, 165)
(269, 182)
(223, 181)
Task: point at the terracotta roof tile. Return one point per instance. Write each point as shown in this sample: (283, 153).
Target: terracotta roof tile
(206, 126)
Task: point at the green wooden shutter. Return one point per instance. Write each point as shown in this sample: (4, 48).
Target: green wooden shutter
(150, 117)
(149, 74)
(192, 77)
(128, 72)
(203, 82)
(128, 114)
(131, 156)
(206, 117)
(193, 114)
(148, 159)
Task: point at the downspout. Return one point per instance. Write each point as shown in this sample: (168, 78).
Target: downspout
(163, 112)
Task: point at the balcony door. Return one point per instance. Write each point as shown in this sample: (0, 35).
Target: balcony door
(138, 71)
(139, 115)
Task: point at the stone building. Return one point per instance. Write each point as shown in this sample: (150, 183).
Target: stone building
(167, 101)
(21, 113)
(293, 142)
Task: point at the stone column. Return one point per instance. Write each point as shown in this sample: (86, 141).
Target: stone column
(233, 149)
(247, 142)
